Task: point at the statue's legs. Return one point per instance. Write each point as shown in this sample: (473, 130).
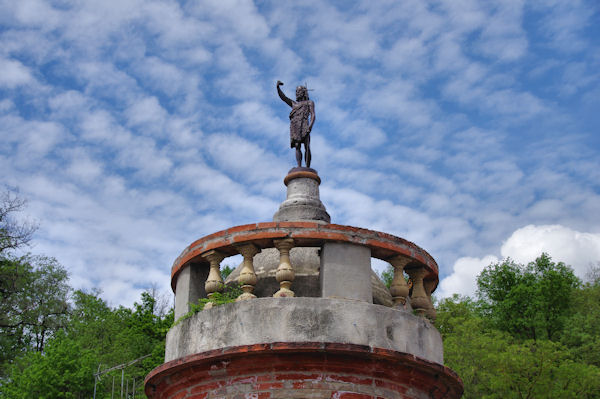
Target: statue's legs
(307, 151)
(299, 154)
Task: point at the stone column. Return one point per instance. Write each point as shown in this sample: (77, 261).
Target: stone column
(399, 288)
(189, 287)
(418, 300)
(430, 311)
(247, 277)
(214, 281)
(285, 271)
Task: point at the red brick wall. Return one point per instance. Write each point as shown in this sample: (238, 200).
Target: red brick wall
(312, 370)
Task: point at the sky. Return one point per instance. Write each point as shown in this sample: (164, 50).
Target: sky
(133, 128)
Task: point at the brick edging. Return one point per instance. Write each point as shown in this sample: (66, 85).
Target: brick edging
(388, 360)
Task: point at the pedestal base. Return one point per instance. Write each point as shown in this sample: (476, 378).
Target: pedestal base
(302, 201)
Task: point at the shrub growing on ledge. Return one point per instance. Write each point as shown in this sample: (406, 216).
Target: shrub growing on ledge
(229, 295)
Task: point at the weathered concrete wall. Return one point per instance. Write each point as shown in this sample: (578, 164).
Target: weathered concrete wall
(267, 320)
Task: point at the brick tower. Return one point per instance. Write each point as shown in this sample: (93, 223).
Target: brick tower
(313, 320)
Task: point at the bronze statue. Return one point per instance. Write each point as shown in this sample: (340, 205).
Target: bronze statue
(302, 119)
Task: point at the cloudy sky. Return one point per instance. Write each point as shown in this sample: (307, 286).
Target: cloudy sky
(135, 127)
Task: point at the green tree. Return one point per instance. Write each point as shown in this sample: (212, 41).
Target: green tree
(495, 364)
(33, 305)
(582, 331)
(33, 289)
(530, 301)
(62, 371)
(469, 348)
(96, 337)
(226, 271)
(50, 349)
(387, 276)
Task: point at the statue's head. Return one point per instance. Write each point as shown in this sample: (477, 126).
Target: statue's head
(301, 93)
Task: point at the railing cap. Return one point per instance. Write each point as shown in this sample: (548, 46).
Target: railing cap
(305, 234)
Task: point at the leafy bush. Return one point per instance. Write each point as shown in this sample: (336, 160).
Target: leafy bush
(229, 295)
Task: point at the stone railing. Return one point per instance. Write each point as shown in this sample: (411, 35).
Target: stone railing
(345, 263)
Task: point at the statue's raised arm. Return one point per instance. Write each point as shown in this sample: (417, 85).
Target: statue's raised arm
(302, 119)
(285, 99)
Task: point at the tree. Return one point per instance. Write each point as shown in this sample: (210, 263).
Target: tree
(95, 336)
(387, 276)
(50, 349)
(13, 233)
(530, 301)
(226, 271)
(469, 348)
(33, 304)
(33, 289)
(64, 370)
(495, 364)
(583, 332)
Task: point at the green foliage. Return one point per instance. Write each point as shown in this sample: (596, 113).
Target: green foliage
(533, 333)
(582, 332)
(33, 289)
(63, 371)
(530, 301)
(95, 336)
(229, 295)
(50, 349)
(33, 304)
(226, 271)
(494, 364)
(387, 276)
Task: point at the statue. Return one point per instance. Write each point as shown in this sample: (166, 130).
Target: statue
(302, 119)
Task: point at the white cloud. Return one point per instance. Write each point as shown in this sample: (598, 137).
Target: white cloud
(563, 22)
(503, 36)
(84, 168)
(243, 158)
(463, 278)
(164, 76)
(576, 249)
(563, 244)
(34, 13)
(148, 113)
(14, 74)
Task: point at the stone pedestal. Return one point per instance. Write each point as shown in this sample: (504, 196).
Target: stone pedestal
(302, 201)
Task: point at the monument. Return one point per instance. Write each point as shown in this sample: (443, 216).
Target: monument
(313, 321)
(302, 119)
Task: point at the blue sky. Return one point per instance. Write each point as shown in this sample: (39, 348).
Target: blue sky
(135, 127)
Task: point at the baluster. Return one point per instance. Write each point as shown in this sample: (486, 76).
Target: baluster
(214, 281)
(248, 277)
(418, 300)
(399, 288)
(285, 271)
(430, 311)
